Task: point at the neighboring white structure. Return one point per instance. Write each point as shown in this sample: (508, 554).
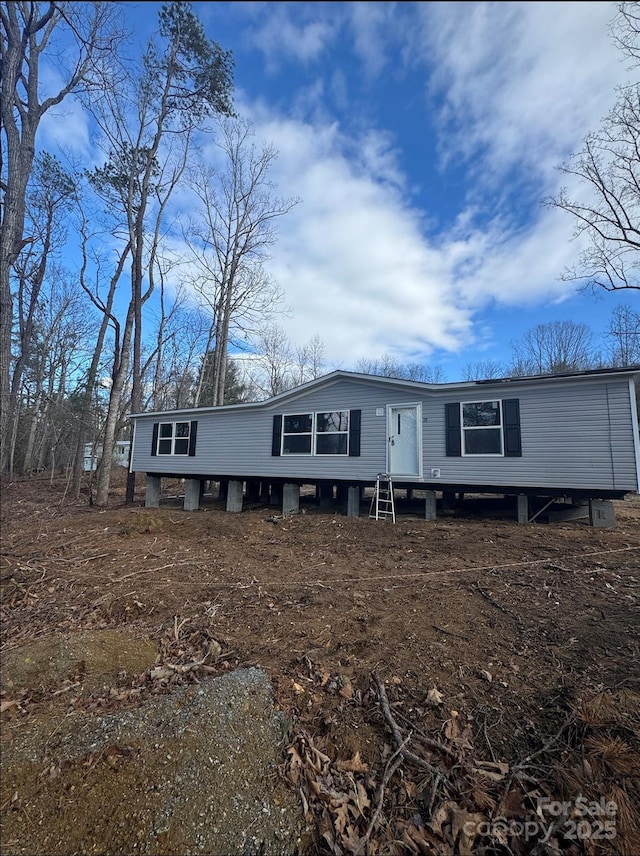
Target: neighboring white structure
(93, 453)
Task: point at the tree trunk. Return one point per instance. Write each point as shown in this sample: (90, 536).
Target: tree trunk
(92, 377)
(20, 157)
(11, 231)
(136, 297)
(223, 345)
(22, 25)
(111, 424)
(26, 338)
(27, 465)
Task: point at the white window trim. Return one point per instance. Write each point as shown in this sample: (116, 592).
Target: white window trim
(499, 428)
(314, 435)
(297, 434)
(173, 439)
(317, 433)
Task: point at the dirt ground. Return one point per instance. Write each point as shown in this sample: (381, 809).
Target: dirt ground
(460, 686)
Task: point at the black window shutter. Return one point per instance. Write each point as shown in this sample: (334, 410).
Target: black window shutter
(277, 435)
(154, 439)
(454, 433)
(193, 433)
(354, 433)
(511, 417)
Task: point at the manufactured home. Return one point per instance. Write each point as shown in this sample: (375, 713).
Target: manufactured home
(93, 454)
(562, 442)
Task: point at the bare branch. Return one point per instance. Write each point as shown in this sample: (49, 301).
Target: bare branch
(608, 168)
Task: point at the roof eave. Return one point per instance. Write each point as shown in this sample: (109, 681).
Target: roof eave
(330, 378)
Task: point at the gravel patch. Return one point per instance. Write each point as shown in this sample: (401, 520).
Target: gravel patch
(192, 772)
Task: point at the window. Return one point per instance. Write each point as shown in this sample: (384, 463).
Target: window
(173, 438)
(481, 428)
(316, 433)
(332, 433)
(297, 432)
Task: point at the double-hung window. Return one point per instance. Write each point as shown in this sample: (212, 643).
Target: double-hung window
(481, 428)
(316, 433)
(173, 438)
(332, 433)
(297, 434)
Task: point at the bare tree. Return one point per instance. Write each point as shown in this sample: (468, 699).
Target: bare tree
(309, 360)
(268, 371)
(186, 341)
(625, 30)
(186, 79)
(104, 303)
(276, 364)
(553, 348)
(389, 366)
(623, 336)
(51, 191)
(29, 31)
(179, 338)
(61, 341)
(482, 370)
(229, 240)
(607, 214)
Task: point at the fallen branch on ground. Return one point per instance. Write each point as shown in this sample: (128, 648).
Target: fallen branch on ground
(397, 734)
(393, 763)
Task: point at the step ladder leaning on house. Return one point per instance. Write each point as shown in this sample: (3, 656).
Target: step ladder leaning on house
(382, 504)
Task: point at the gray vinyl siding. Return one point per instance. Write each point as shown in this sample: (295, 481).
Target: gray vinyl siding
(576, 433)
(238, 442)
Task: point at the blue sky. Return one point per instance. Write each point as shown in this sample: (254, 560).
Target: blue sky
(420, 139)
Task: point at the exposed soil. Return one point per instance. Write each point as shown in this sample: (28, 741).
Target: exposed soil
(435, 676)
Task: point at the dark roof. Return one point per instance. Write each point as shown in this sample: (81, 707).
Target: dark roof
(617, 370)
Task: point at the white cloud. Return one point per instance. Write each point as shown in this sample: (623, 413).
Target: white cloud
(378, 155)
(358, 270)
(370, 22)
(519, 85)
(66, 126)
(522, 83)
(280, 37)
(512, 267)
(351, 258)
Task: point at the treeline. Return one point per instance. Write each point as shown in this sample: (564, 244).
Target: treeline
(93, 322)
(567, 346)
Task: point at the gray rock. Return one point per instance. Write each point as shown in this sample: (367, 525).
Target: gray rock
(186, 773)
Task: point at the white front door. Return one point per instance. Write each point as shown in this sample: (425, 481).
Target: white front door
(404, 439)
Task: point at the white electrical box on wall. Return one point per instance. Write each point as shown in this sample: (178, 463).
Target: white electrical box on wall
(435, 472)
(379, 411)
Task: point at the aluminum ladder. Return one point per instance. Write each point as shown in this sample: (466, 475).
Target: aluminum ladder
(382, 504)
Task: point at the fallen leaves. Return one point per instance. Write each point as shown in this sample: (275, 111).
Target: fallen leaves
(495, 771)
(51, 588)
(445, 808)
(467, 805)
(353, 765)
(336, 794)
(434, 697)
(458, 733)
